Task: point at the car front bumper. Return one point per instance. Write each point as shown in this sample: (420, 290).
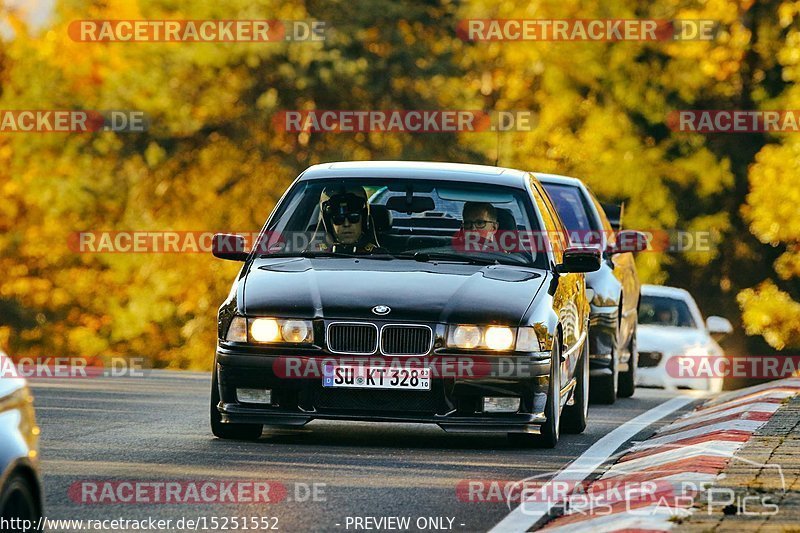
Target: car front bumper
(454, 402)
(657, 376)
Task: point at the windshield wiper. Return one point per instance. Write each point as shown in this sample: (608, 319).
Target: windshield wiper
(302, 253)
(318, 253)
(424, 257)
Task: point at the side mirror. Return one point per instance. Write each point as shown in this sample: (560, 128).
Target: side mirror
(629, 240)
(718, 327)
(229, 246)
(579, 259)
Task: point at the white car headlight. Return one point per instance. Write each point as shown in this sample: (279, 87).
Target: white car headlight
(495, 338)
(464, 336)
(499, 338)
(296, 330)
(265, 330)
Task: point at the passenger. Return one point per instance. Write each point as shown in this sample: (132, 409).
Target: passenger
(479, 227)
(665, 317)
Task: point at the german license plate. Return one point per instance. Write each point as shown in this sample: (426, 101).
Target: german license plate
(376, 377)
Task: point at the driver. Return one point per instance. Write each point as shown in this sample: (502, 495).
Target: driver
(344, 213)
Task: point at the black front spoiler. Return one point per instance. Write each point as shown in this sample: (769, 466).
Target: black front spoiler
(486, 423)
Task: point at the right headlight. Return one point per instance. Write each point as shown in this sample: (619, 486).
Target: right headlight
(494, 338)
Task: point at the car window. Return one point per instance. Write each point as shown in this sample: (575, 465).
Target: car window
(605, 225)
(569, 201)
(553, 226)
(665, 311)
(609, 236)
(576, 213)
(406, 216)
(446, 209)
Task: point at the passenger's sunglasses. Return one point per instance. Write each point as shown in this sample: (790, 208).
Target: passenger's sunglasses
(477, 224)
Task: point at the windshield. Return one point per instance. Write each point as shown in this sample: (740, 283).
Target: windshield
(406, 219)
(665, 311)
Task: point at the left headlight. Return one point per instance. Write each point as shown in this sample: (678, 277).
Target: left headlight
(266, 330)
(272, 330)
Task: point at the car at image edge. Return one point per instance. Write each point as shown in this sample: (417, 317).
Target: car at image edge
(21, 493)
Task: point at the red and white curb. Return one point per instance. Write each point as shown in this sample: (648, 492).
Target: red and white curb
(691, 451)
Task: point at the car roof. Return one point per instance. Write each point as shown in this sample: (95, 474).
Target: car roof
(418, 169)
(663, 290)
(557, 179)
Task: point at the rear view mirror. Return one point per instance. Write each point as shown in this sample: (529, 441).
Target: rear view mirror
(718, 326)
(630, 241)
(229, 246)
(414, 204)
(579, 259)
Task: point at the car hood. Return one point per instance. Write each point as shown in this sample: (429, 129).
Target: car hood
(344, 288)
(674, 340)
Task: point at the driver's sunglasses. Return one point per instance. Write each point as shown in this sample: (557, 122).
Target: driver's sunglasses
(338, 219)
(477, 224)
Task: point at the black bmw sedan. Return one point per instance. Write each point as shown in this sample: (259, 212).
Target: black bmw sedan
(406, 292)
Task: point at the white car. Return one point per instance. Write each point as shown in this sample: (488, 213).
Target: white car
(670, 325)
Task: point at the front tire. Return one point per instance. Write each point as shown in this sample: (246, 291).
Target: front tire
(627, 380)
(229, 431)
(576, 415)
(551, 428)
(549, 432)
(605, 388)
(18, 501)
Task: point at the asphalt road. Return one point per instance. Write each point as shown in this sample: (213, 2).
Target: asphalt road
(156, 429)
